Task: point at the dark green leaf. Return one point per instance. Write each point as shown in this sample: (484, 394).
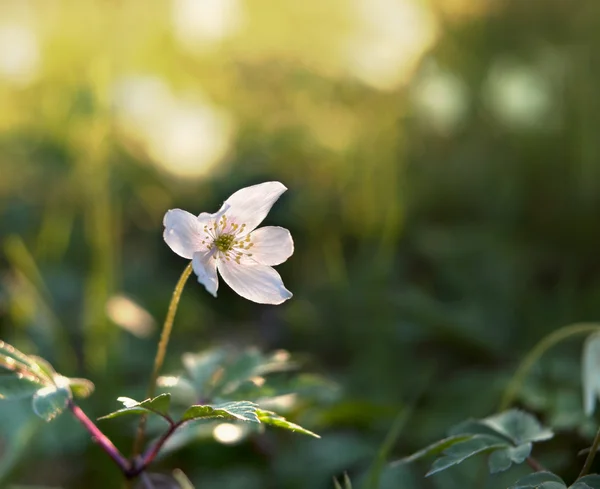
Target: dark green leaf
(463, 450)
(158, 405)
(540, 480)
(48, 402)
(240, 410)
(587, 482)
(18, 386)
(434, 448)
(519, 426)
(271, 418)
(502, 459)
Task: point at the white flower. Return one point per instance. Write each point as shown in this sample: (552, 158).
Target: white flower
(228, 241)
(590, 375)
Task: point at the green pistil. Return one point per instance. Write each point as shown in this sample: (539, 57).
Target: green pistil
(224, 242)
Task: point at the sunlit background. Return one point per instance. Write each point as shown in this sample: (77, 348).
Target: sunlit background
(442, 160)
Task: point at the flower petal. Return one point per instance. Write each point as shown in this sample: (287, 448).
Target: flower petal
(251, 205)
(182, 232)
(271, 245)
(255, 282)
(205, 267)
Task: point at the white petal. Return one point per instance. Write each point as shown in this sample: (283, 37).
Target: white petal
(205, 267)
(255, 282)
(251, 205)
(271, 245)
(182, 232)
(591, 373)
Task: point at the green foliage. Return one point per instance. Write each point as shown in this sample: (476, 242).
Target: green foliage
(32, 376)
(274, 419)
(588, 482)
(50, 401)
(231, 385)
(158, 405)
(548, 480)
(507, 436)
(237, 410)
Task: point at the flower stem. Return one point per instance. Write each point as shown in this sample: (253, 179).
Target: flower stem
(534, 355)
(100, 438)
(161, 351)
(590, 457)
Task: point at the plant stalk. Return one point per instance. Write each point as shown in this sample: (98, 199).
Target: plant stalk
(515, 384)
(590, 456)
(100, 438)
(161, 351)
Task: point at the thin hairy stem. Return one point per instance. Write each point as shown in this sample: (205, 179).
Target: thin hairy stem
(161, 352)
(591, 455)
(515, 384)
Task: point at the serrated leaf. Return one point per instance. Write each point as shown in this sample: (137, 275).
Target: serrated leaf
(48, 402)
(476, 427)
(18, 386)
(540, 480)
(274, 419)
(434, 448)
(238, 410)
(157, 405)
(520, 427)
(502, 459)
(81, 388)
(463, 450)
(588, 482)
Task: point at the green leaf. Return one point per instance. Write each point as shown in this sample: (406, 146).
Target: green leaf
(434, 448)
(240, 410)
(271, 418)
(81, 388)
(44, 366)
(502, 459)
(520, 427)
(18, 386)
(587, 482)
(540, 480)
(463, 450)
(48, 402)
(158, 405)
(17, 362)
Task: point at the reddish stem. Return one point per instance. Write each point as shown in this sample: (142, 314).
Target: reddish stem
(100, 438)
(148, 457)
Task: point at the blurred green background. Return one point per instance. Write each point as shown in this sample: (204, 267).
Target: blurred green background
(442, 160)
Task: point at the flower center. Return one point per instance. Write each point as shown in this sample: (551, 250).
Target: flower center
(224, 242)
